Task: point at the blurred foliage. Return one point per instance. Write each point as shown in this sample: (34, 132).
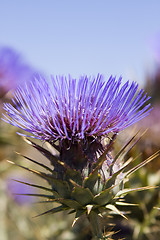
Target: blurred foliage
(144, 219)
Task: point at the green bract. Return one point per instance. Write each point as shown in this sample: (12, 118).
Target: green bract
(94, 191)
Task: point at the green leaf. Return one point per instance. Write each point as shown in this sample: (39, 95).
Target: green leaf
(79, 213)
(111, 180)
(73, 175)
(95, 224)
(62, 187)
(82, 195)
(71, 203)
(104, 197)
(90, 181)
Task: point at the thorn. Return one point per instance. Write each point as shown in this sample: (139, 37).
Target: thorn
(17, 153)
(10, 162)
(26, 140)
(100, 215)
(74, 222)
(89, 208)
(157, 208)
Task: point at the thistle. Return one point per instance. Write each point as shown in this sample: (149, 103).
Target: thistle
(80, 119)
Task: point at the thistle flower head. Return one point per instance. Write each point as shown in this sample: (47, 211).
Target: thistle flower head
(78, 113)
(76, 109)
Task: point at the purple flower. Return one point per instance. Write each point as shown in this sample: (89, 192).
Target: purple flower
(74, 109)
(13, 70)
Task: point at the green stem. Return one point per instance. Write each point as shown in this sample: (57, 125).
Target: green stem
(95, 225)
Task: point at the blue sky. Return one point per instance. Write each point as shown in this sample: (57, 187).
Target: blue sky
(87, 36)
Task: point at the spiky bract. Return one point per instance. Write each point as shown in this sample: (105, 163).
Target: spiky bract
(98, 190)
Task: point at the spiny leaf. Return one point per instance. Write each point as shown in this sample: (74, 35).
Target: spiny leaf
(104, 197)
(114, 209)
(62, 187)
(124, 147)
(53, 210)
(128, 150)
(35, 195)
(102, 158)
(82, 195)
(127, 174)
(74, 175)
(48, 201)
(53, 159)
(75, 184)
(38, 163)
(71, 173)
(90, 181)
(129, 190)
(33, 185)
(40, 174)
(111, 180)
(71, 203)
